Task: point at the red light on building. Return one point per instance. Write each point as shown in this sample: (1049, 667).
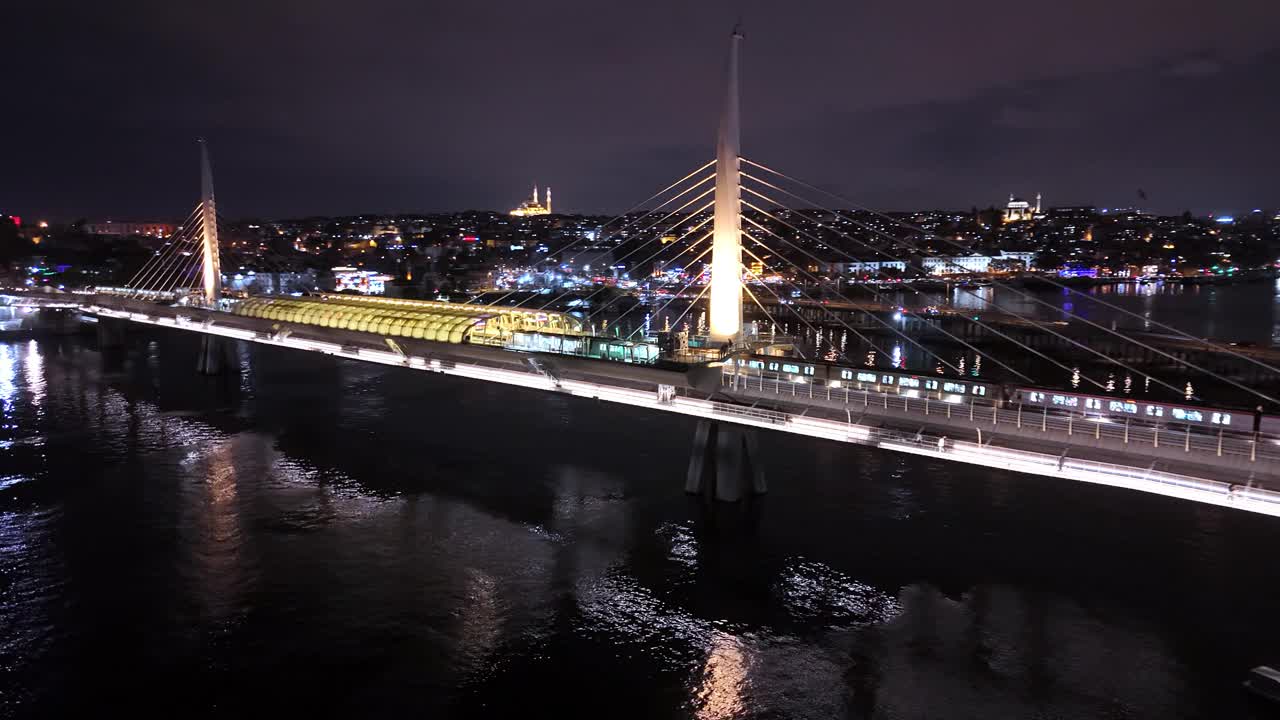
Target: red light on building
(16, 220)
(470, 238)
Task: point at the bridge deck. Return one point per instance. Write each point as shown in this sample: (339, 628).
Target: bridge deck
(1208, 478)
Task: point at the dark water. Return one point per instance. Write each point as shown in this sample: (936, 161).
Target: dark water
(322, 537)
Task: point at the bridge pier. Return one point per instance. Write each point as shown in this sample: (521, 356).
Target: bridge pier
(216, 356)
(110, 334)
(724, 464)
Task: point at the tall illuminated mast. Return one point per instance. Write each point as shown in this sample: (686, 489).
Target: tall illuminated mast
(726, 252)
(212, 269)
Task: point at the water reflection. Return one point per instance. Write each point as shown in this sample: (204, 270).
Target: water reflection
(216, 540)
(33, 375)
(8, 375)
(724, 679)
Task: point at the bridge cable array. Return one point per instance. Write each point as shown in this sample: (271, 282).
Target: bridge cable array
(1018, 291)
(599, 235)
(1062, 286)
(181, 257)
(909, 284)
(1025, 346)
(911, 313)
(1039, 326)
(869, 314)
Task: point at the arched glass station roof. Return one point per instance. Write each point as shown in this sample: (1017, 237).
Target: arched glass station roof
(418, 319)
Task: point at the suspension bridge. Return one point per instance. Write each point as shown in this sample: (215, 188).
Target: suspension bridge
(909, 383)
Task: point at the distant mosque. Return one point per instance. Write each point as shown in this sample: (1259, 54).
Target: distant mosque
(1019, 210)
(533, 207)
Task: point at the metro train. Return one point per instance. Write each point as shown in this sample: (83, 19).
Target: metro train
(957, 390)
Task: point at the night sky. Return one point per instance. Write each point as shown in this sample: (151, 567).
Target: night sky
(327, 107)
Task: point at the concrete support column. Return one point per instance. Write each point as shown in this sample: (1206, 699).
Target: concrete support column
(724, 463)
(110, 334)
(217, 356)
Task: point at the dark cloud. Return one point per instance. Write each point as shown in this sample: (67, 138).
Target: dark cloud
(320, 106)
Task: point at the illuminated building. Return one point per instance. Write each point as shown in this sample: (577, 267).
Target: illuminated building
(127, 229)
(364, 282)
(533, 207)
(1019, 210)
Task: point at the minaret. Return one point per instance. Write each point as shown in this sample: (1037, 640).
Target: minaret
(548, 199)
(212, 268)
(535, 193)
(1037, 203)
(726, 249)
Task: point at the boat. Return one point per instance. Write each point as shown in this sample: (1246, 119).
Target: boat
(1264, 681)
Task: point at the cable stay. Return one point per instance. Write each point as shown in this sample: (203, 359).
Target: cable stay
(633, 221)
(1082, 346)
(571, 291)
(868, 313)
(691, 246)
(1028, 296)
(912, 313)
(838, 319)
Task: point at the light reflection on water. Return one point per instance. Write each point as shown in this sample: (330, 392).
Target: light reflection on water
(8, 375)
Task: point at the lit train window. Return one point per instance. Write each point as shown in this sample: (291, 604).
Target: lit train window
(1066, 400)
(1093, 404)
(1124, 407)
(1221, 418)
(755, 364)
(909, 382)
(773, 366)
(957, 388)
(1188, 415)
(979, 390)
(808, 370)
(930, 384)
(1037, 397)
(1155, 411)
(788, 367)
(846, 374)
(866, 377)
(886, 379)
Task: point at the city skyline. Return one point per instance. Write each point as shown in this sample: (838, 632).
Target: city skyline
(442, 110)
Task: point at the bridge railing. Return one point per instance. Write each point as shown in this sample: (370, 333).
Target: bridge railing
(1116, 474)
(1222, 444)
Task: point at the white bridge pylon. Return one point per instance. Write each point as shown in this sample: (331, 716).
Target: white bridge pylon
(726, 252)
(211, 267)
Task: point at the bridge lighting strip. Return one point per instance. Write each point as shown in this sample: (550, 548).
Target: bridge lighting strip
(1184, 487)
